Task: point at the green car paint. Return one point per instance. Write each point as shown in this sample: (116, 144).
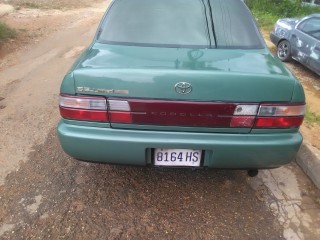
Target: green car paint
(149, 72)
(218, 77)
(134, 147)
(215, 74)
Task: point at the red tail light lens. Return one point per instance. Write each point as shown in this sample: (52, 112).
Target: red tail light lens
(242, 121)
(84, 115)
(279, 122)
(120, 117)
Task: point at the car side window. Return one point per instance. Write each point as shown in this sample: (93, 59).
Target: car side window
(311, 27)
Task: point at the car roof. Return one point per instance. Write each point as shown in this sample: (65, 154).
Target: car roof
(315, 15)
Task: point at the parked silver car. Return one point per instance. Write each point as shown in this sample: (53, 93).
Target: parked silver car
(312, 3)
(299, 38)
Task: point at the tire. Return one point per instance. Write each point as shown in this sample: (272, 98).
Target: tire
(284, 51)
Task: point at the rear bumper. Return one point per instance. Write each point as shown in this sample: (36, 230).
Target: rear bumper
(134, 147)
(274, 38)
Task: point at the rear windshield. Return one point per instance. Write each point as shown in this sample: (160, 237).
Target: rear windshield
(180, 23)
(234, 25)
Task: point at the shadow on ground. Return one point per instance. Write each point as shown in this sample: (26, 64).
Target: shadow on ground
(55, 196)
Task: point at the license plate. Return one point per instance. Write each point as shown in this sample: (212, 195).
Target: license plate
(177, 157)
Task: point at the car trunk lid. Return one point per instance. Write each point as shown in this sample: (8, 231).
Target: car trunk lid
(153, 81)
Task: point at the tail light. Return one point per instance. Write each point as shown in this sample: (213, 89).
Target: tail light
(181, 113)
(119, 111)
(268, 116)
(244, 116)
(96, 109)
(83, 108)
(280, 116)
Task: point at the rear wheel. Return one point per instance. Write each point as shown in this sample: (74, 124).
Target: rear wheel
(284, 51)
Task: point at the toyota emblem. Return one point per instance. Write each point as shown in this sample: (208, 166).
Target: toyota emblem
(183, 88)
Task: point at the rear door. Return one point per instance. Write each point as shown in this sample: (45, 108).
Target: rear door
(307, 41)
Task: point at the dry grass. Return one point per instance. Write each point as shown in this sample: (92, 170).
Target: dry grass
(50, 4)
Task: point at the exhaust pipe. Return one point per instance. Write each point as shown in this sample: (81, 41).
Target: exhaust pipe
(253, 172)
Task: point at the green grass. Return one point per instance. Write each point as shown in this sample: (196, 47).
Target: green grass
(51, 4)
(265, 20)
(267, 12)
(30, 5)
(312, 118)
(6, 32)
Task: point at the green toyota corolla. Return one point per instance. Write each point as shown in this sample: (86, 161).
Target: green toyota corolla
(177, 83)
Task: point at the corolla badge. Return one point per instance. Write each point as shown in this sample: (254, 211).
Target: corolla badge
(183, 88)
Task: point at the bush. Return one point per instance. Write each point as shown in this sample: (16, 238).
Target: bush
(268, 11)
(285, 8)
(6, 32)
(312, 118)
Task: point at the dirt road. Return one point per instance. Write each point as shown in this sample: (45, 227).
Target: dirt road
(44, 194)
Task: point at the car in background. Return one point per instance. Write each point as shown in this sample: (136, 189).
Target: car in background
(177, 83)
(299, 38)
(312, 3)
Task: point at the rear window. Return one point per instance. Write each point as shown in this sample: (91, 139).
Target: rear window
(180, 23)
(234, 25)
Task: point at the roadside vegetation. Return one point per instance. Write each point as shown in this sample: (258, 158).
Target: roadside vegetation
(49, 4)
(312, 118)
(267, 12)
(6, 32)
(28, 5)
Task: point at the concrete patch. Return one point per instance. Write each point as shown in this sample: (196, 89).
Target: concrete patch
(281, 190)
(44, 216)
(286, 200)
(34, 207)
(6, 228)
(5, 9)
(309, 160)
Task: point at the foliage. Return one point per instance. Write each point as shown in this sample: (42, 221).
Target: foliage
(311, 117)
(268, 12)
(6, 32)
(30, 5)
